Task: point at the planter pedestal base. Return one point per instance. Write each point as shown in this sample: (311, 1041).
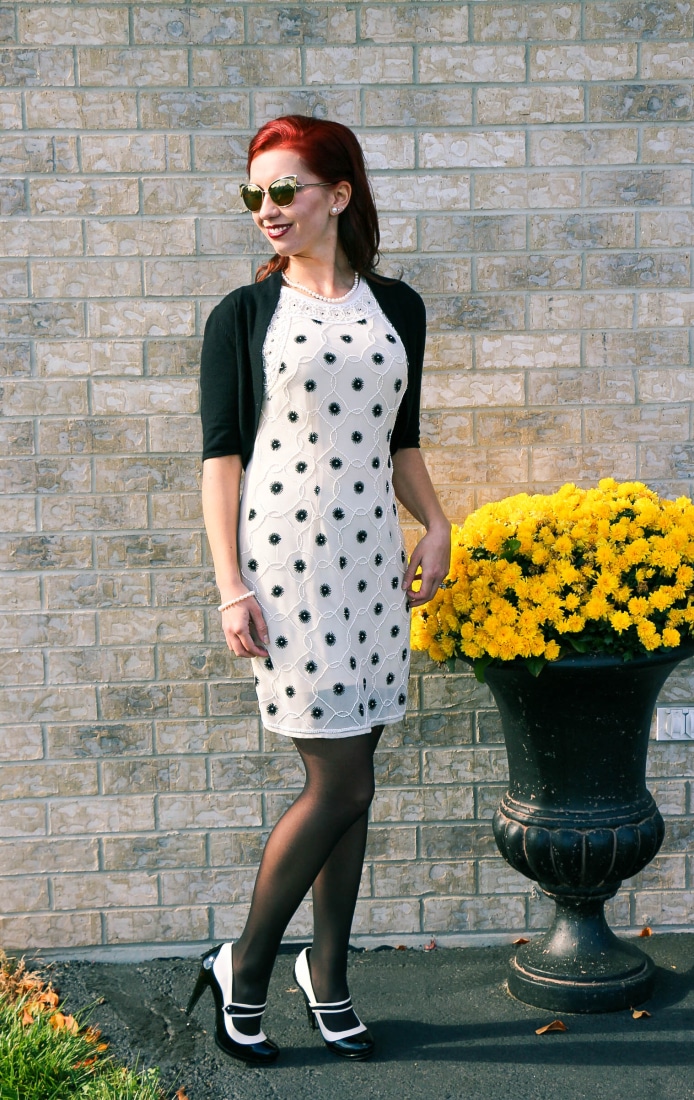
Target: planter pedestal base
(579, 965)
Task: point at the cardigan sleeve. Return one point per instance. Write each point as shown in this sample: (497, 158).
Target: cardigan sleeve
(220, 399)
(413, 333)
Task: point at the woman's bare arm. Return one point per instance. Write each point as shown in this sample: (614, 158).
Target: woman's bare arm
(432, 554)
(244, 625)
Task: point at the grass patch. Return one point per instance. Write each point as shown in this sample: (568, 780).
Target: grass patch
(46, 1054)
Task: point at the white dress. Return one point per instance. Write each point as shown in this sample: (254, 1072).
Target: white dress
(319, 538)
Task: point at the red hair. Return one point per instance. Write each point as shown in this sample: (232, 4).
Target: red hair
(332, 153)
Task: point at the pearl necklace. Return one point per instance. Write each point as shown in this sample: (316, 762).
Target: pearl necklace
(323, 297)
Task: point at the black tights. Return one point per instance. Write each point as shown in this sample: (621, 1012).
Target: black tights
(319, 842)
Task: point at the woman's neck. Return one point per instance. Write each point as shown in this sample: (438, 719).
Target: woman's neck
(331, 280)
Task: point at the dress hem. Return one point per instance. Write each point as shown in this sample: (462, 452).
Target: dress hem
(328, 735)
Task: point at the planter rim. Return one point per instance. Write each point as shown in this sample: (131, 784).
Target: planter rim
(594, 660)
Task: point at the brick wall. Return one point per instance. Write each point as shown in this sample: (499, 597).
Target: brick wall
(533, 167)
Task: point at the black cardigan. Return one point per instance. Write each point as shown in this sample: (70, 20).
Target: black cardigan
(231, 373)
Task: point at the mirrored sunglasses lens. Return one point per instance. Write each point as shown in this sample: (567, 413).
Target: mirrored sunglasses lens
(252, 196)
(282, 192)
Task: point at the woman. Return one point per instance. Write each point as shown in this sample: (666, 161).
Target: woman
(310, 383)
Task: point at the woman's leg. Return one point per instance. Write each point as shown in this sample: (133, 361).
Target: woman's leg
(337, 794)
(335, 891)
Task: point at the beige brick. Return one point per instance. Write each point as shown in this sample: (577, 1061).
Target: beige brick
(41, 704)
(37, 396)
(448, 350)
(388, 150)
(555, 311)
(19, 514)
(193, 109)
(643, 102)
(529, 272)
(461, 766)
(642, 187)
(664, 872)
(398, 234)
(475, 914)
(12, 197)
(86, 278)
(90, 512)
(667, 228)
(21, 742)
(245, 68)
(32, 153)
(29, 68)
(34, 318)
(204, 196)
(516, 190)
(132, 67)
(99, 740)
(176, 510)
(175, 433)
(666, 347)
(667, 460)
(427, 192)
(153, 852)
(584, 146)
(531, 105)
(80, 110)
(36, 238)
(48, 629)
(81, 196)
(660, 907)
(496, 877)
(388, 23)
(644, 425)
(142, 776)
(494, 149)
(124, 153)
(127, 589)
(146, 550)
(581, 387)
(666, 385)
(443, 64)
(340, 104)
(24, 894)
(7, 25)
(17, 437)
(157, 925)
(637, 269)
(440, 275)
(582, 230)
(13, 278)
(583, 62)
(48, 780)
(472, 233)
(102, 815)
(668, 144)
(151, 701)
(174, 26)
(488, 311)
(213, 810)
(537, 426)
(76, 26)
(46, 930)
(630, 19)
(418, 106)
(521, 21)
(232, 735)
(586, 463)
(144, 396)
(30, 822)
(667, 61)
(34, 857)
(21, 667)
(670, 796)
(207, 887)
(665, 308)
(92, 435)
(141, 318)
(222, 153)
(525, 350)
(378, 917)
(359, 65)
(61, 358)
(46, 476)
(173, 357)
(270, 24)
(194, 662)
(445, 429)
(174, 587)
(10, 110)
(97, 891)
(195, 277)
(472, 389)
(172, 236)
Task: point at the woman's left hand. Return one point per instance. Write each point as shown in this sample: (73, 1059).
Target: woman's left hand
(430, 563)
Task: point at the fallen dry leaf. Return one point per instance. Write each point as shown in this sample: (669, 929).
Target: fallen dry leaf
(640, 1014)
(646, 931)
(431, 946)
(401, 947)
(556, 1025)
(59, 1022)
(50, 998)
(292, 989)
(85, 1063)
(181, 1095)
(519, 942)
(27, 1018)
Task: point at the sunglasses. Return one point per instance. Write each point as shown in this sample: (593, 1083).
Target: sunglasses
(282, 192)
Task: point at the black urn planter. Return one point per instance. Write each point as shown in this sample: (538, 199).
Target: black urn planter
(577, 818)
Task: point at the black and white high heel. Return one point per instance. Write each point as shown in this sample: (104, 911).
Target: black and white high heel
(217, 973)
(351, 1042)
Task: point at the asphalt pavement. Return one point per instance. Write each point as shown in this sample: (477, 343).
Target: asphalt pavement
(445, 1025)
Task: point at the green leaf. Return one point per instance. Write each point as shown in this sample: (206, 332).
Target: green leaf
(510, 548)
(535, 665)
(450, 664)
(580, 645)
(479, 665)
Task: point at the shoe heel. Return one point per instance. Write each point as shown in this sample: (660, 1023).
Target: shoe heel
(200, 986)
(310, 1013)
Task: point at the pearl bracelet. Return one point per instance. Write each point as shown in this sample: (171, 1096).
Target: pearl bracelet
(237, 599)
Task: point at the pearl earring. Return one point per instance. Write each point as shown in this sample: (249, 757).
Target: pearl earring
(335, 210)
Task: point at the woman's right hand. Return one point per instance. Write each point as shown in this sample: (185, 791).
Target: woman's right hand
(245, 629)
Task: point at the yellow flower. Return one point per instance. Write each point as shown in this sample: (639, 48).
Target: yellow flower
(671, 637)
(620, 621)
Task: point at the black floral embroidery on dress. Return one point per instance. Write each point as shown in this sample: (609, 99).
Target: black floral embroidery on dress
(394, 583)
(378, 608)
(252, 565)
(361, 586)
(330, 638)
(334, 408)
(276, 487)
(321, 540)
(390, 677)
(338, 689)
(357, 383)
(346, 613)
(300, 339)
(376, 463)
(290, 691)
(357, 437)
(390, 338)
(330, 357)
(268, 664)
(378, 559)
(317, 712)
(283, 367)
(305, 616)
(359, 486)
(375, 658)
(313, 437)
(275, 444)
(325, 590)
(377, 358)
(301, 516)
(271, 708)
(301, 467)
(281, 642)
(342, 562)
(394, 631)
(311, 666)
(401, 698)
(404, 654)
(336, 463)
(292, 416)
(372, 703)
(377, 410)
(346, 338)
(317, 490)
(276, 591)
(299, 565)
(378, 511)
(362, 636)
(397, 385)
(361, 709)
(352, 663)
(361, 536)
(310, 385)
(338, 513)
(274, 538)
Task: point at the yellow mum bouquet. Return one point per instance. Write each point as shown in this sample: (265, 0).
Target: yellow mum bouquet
(608, 570)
